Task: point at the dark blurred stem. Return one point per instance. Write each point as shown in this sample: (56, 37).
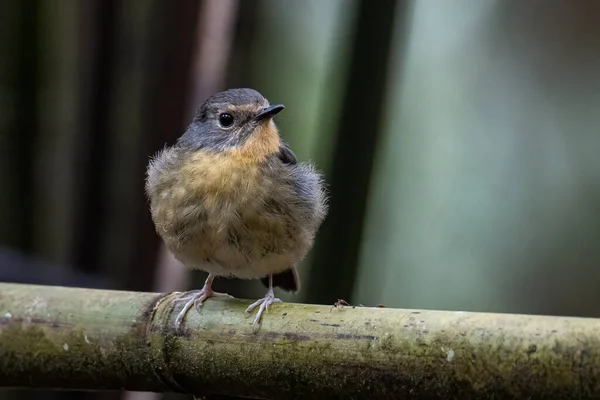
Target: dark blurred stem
(338, 242)
(90, 213)
(24, 136)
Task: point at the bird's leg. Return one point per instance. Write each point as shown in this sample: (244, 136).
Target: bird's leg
(265, 302)
(196, 298)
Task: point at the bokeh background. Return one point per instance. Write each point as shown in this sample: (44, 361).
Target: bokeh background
(460, 142)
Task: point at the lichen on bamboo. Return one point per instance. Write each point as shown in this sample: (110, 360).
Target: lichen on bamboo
(93, 339)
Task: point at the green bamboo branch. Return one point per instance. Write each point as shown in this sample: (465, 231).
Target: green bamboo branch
(56, 337)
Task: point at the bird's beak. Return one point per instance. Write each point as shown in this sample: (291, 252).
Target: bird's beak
(269, 112)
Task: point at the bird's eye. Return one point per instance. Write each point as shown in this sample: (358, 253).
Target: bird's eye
(226, 120)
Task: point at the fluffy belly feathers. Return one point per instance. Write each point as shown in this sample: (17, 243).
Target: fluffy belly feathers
(228, 218)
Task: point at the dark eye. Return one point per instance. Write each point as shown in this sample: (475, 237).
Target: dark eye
(225, 120)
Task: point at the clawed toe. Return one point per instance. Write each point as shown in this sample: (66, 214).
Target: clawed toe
(217, 294)
(264, 303)
(195, 299)
(182, 299)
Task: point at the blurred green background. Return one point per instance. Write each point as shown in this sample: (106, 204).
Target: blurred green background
(460, 142)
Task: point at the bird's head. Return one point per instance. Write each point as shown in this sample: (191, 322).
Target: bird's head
(236, 120)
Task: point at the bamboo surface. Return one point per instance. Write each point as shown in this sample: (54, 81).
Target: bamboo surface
(70, 338)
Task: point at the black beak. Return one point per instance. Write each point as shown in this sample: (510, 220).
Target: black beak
(269, 112)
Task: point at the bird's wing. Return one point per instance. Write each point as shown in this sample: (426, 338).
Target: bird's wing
(288, 280)
(286, 155)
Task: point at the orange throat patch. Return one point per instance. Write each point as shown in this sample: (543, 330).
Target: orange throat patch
(264, 141)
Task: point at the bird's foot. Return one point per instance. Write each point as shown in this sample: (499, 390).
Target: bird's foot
(195, 298)
(158, 303)
(264, 303)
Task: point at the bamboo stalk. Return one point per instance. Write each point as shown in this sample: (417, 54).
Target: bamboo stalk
(70, 338)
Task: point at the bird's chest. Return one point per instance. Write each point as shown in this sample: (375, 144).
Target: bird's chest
(229, 213)
(212, 193)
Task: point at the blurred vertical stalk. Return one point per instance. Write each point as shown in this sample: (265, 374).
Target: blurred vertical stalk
(335, 256)
(96, 51)
(52, 153)
(133, 67)
(19, 107)
(240, 69)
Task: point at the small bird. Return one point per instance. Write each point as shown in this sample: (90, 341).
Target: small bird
(230, 198)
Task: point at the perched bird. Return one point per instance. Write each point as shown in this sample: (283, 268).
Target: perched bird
(230, 198)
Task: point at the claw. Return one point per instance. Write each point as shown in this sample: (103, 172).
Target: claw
(264, 303)
(196, 298)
